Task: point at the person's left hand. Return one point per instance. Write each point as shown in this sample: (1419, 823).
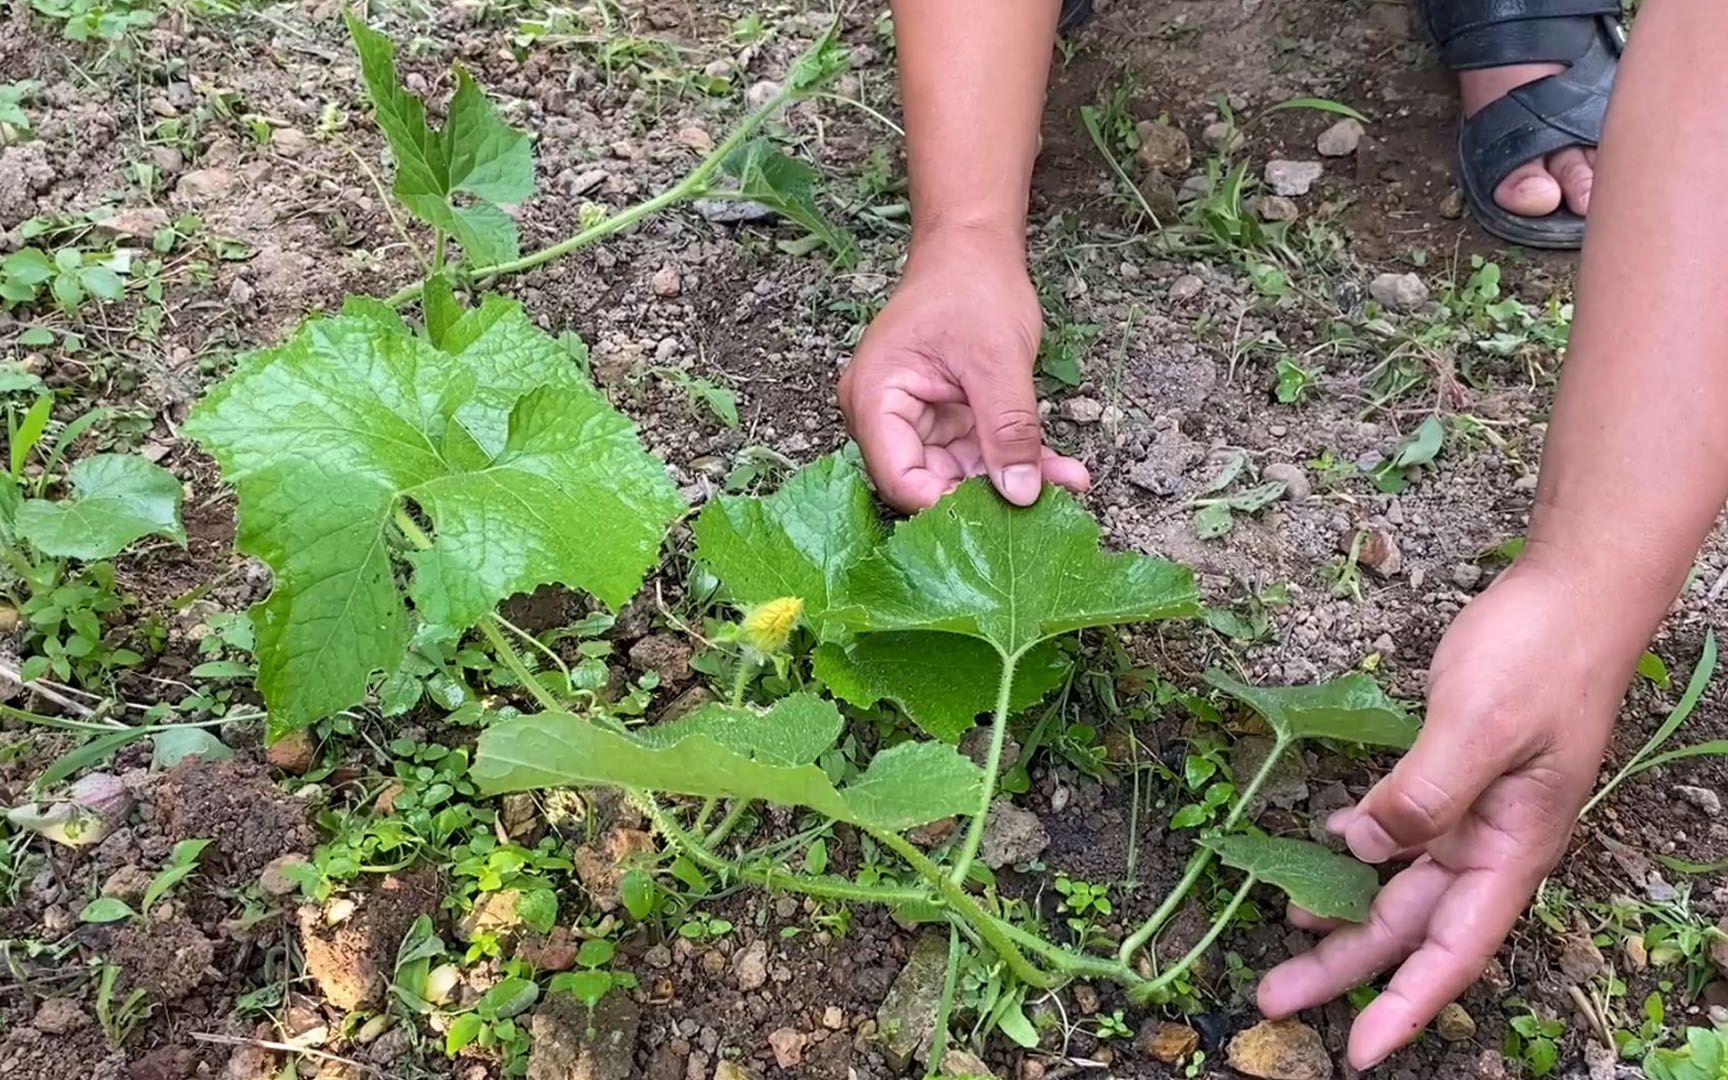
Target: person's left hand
(1522, 695)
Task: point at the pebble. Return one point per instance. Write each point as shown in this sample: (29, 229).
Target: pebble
(1490, 1065)
(788, 1044)
(274, 879)
(666, 282)
(1222, 136)
(1081, 410)
(760, 93)
(1341, 139)
(833, 1018)
(1294, 477)
(1402, 293)
(1452, 206)
(733, 211)
(1186, 287)
(1291, 178)
(1275, 208)
(1167, 1043)
(750, 967)
(1455, 1024)
(1466, 575)
(1702, 799)
(1580, 959)
(290, 142)
(1379, 552)
(59, 1016)
(1163, 148)
(1280, 1050)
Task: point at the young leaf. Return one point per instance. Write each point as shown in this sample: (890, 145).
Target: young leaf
(782, 183)
(1320, 105)
(794, 732)
(182, 862)
(463, 1031)
(975, 565)
(527, 474)
(796, 542)
(587, 987)
(106, 909)
(538, 910)
(942, 681)
(1330, 885)
(906, 785)
(596, 952)
(1352, 708)
(116, 498)
(476, 155)
(509, 998)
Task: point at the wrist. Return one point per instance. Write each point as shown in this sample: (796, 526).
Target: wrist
(1618, 607)
(992, 237)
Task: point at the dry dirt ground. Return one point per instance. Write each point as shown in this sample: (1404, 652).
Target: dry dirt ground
(255, 123)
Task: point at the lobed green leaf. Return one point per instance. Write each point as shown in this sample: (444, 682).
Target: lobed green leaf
(1353, 708)
(1316, 879)
(794, 731)
(116, 499)
(942, 681)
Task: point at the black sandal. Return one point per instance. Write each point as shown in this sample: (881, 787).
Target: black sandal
(1074, 12)
(1538, 118)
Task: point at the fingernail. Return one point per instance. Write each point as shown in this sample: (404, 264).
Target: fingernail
(1339, 820)
(1020, 484)
(1371, 843)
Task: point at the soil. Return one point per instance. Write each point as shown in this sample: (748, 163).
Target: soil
(1182, 363)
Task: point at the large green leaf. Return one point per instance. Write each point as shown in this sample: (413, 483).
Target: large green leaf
(525, 472)
(1352, 708)
(975, 565)
(116, 499)
(1330, 885)
(794, 732)
(796, 542)
(942, 681)
(907, 785)
(476, 154)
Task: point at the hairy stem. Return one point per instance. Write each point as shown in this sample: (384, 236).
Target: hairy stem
(741, 681)
(1147, 990)
(992, 767)
(945, 1007)
(1201, 859)
(734, 814)
(694, 185)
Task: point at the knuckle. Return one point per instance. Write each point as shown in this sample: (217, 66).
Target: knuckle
(1016, 428)
(1418, 807)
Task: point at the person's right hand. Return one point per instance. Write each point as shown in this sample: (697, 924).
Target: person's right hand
(941, 389)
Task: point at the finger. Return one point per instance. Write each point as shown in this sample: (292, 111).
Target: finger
(1005, 415)
(1529, 190)
(1303, 919)
(1468, 924)
(1575, 173)
(1338, 824)
(1352, 956)
(887, 432)
(1430, 789)
(1066, 471)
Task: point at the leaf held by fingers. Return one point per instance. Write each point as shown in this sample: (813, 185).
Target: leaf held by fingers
(1352, 708)
(1330, 885)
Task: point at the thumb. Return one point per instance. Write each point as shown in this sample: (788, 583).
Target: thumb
(1425, 795)
(1005, 417)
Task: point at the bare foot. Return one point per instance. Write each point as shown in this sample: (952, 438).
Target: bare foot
(1535, 188)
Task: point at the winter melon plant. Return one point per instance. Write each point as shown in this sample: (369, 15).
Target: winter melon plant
(402, 480)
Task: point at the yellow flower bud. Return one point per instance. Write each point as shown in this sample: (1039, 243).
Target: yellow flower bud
(767, 627)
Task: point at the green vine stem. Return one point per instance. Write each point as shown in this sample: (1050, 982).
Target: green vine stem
(1148, 990)
(1201, 859)
(734, 814)
(992, 766)
(693, 186)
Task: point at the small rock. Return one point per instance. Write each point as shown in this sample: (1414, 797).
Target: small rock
(571, 1042)
(274, 879)
(962, 1062)
(1222, 136)
(1490, 1065)
(1399, 292)
(293, 753)
(833, 1018)
(907, 1017)
(1294, 477)
(601, 865)
(1011, 836)
(1379, 552)
(1702, 799)
(204, 185)
(1601, 1062)
(760, 93)
(1186, 287)
(135, 223)
(290, 142)
(1341, 139)
(666, 282)
(1637, 954)
(127, 883)
(1275, 208)
(1163, 148)
(1292, 179)
(1466, 575)
(664, 654)
(750, 966)
(1580, 959)
(694, 138)
(169, 161)
(59, 1016)
(554, 951)
(1081, 410)
(1718, 946)
(1280, 1050)
(1452, 206)
(1454, 1024)
(1167, 1043)
(731, 1070)
(788, 1044)
(733, 211)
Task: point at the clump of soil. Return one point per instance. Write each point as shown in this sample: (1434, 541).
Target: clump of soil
(236, 805)
(30, 1054)
(168, 959)
(352, 960)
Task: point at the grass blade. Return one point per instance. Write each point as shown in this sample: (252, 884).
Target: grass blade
(1688, 701)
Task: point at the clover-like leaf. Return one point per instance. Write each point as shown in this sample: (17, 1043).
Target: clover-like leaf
(476, 154)
(116, 499)
(942, 681)
(975, 565)
(906, 785)
(794, 731)
(1353, 708)
(1316, 879)
(527, 475)
(796, 542)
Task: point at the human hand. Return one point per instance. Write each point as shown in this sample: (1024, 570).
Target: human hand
(1521, 699)
(940, 388)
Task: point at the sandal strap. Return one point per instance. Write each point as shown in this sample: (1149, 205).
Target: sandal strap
(1492, 33)
(1538, 118)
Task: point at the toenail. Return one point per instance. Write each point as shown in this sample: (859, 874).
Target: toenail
(1534, 185)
